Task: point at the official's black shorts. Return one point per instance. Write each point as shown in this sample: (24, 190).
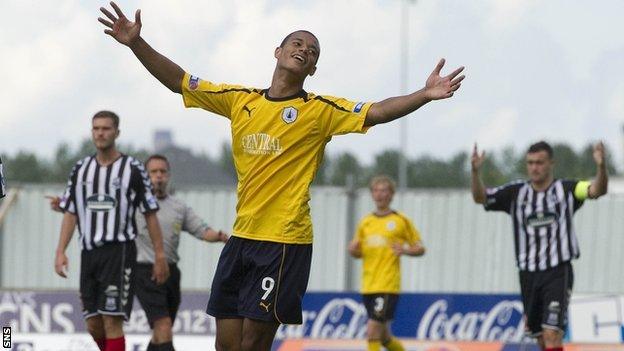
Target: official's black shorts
(380, 307)
(260, 280)
(158, 301)
(545, 296)
(106, 280)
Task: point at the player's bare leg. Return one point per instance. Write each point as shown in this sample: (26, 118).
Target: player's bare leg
(113, 327)
(162, 330)
(95, 327)
(552, 338)
(374, 334)
(229, 334)
(540, 342)
(258, 335)
(389, 341)
(162, 334)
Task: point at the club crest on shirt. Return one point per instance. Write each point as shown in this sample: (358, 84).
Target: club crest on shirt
(101, 202)
(116, 183)
(390, 225)
(193, 82)
(289, 114)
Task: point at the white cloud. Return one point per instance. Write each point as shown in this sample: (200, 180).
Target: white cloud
(499, 129)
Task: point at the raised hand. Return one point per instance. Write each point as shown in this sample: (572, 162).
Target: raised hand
(122, 29)
(599, 154)
(477, 159)
(439, 87)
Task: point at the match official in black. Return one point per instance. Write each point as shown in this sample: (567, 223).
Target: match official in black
(161, 302)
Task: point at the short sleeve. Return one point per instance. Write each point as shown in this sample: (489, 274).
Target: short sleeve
(343, 116)
(412, 234)
(359, 232)
(217, 98)
(142, 186)
(68, 199)
(579, 190)
(193, 223)
(501, 198)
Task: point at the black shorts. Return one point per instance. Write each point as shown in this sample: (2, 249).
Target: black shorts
(380, 307)
(260, 280)
(158, 301)
(106, 280)
(545, 296)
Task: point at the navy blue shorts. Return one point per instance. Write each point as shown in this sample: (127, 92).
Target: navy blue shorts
(380, 307)
(260, 280)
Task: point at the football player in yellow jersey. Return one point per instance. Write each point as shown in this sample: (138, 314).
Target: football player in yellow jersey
(381, 239)
(278, 138)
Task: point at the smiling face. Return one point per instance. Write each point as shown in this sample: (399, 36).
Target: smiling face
(298, 54)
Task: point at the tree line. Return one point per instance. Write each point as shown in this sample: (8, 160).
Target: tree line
(425, 171)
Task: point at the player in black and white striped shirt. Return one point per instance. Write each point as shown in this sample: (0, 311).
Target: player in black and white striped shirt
(545, 241)
(103, 194)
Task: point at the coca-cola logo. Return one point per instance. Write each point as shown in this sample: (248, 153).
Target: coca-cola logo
(503, 322)
(339, 318)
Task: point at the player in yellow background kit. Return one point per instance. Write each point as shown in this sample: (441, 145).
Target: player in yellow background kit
(381, 239)
(278, 139)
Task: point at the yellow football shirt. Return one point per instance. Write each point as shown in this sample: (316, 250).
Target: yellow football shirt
(278, 145)
(381, 271)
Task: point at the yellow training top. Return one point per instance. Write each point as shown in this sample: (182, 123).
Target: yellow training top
(278, 146)
(381, 266)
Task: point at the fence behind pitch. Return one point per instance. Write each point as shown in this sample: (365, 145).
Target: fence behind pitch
(468, 250)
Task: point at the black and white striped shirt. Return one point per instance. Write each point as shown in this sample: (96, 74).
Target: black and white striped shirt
(2, 189)
(542, 221)
(105, 199)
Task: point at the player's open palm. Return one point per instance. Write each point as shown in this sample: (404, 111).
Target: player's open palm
(439, 87)
(477, 159)
(121, 28)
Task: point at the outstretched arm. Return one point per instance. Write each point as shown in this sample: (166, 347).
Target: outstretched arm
(598, 186)
(436, 88)
(128, 34)
(476, 184)
(214, 236)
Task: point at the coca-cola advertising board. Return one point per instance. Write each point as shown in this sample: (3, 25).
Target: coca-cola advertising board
(433, 317)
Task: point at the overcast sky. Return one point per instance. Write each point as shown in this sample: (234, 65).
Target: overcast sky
(535, 69)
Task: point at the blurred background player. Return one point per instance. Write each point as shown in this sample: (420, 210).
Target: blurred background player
(102, 195)
(278, 139)
(2, 189)
(545, 241)
(161, 302)
(381, 239)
